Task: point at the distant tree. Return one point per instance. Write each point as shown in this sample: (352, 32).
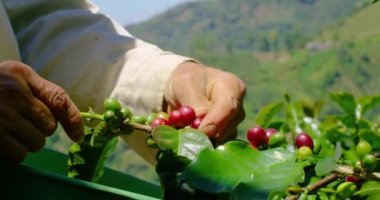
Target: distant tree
(274, 40)
(263, 44)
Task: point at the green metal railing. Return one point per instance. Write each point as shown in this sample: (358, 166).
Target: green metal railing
(43, 176)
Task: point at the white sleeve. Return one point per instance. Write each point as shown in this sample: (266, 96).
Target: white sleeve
(88, 54)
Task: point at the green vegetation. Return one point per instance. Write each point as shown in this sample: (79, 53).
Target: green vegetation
(333, 47)
(304, 48)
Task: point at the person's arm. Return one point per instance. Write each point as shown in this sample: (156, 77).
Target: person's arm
(30, 108)
(92, 57)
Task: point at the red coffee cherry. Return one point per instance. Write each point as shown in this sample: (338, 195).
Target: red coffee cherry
(257, 136)
(175, 119)
(197, 121)
(303, 139)
(187, 114)
(159, 121)
(352, 179)
(269, 132)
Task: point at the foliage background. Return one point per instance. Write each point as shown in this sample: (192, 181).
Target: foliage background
(306, 48)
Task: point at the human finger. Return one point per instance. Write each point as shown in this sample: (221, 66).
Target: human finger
(11, 150)
(226, 97)
(21, 129)
(40, 115)
(60, 104)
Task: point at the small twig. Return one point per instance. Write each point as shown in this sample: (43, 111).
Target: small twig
(144, 128)
(315, 186)
(362, 174)
(336, 173)
(326, 180)
(91, 116)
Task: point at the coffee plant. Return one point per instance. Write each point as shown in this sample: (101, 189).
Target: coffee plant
(292, 151)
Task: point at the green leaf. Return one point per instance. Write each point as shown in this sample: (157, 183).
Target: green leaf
(312, 127)
(327, 164)
(346, 101)
(267, 113)
(166, 137)
(294, 116)
(186, 142)
(108, 149)
(314, 110)
(277, 195)
(87, 160)
(370, 191)
(247, 191)
(168, 166)
(223, 169)
(364, 104)
(191, 142)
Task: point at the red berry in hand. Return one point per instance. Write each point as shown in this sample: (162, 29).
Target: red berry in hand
(187, 114)
(304, 139)
(197, 121)
(175, 119)
(159, 121)
(257, 136)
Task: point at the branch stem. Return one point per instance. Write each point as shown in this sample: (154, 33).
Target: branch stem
(91, 116)
(349, 171)
(326, 180)
(141, 127)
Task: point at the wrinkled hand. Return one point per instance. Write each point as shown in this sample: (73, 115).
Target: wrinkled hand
(29, 108)
(214, 94)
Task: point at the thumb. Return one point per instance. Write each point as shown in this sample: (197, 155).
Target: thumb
(59, 103)
(216, 119)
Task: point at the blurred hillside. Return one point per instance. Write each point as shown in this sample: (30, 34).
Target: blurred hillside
(303, 47)
(252, 25)
(306, 48)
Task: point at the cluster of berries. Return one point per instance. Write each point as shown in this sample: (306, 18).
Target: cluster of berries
(261, 138)
(180, 118)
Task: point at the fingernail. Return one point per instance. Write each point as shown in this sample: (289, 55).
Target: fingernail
(209, 129)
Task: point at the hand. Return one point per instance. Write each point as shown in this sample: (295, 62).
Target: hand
(214, 94)
(29, 108)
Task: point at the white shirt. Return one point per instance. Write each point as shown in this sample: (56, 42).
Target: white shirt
(72, 44)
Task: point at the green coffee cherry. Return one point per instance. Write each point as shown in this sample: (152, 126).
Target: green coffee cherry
(150, 118)
(276, 139)
(151, 143)
(126, 113)
(138, 119)
(363, 148)
(346, 189)
(112, 104)
(304, 152)
(369, 162)
(110, 117)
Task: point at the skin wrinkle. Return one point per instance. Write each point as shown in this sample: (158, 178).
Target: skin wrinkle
(33, 138)
(43, 119)
(28, 103)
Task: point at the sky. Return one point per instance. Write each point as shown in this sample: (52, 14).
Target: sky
(133, 11)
